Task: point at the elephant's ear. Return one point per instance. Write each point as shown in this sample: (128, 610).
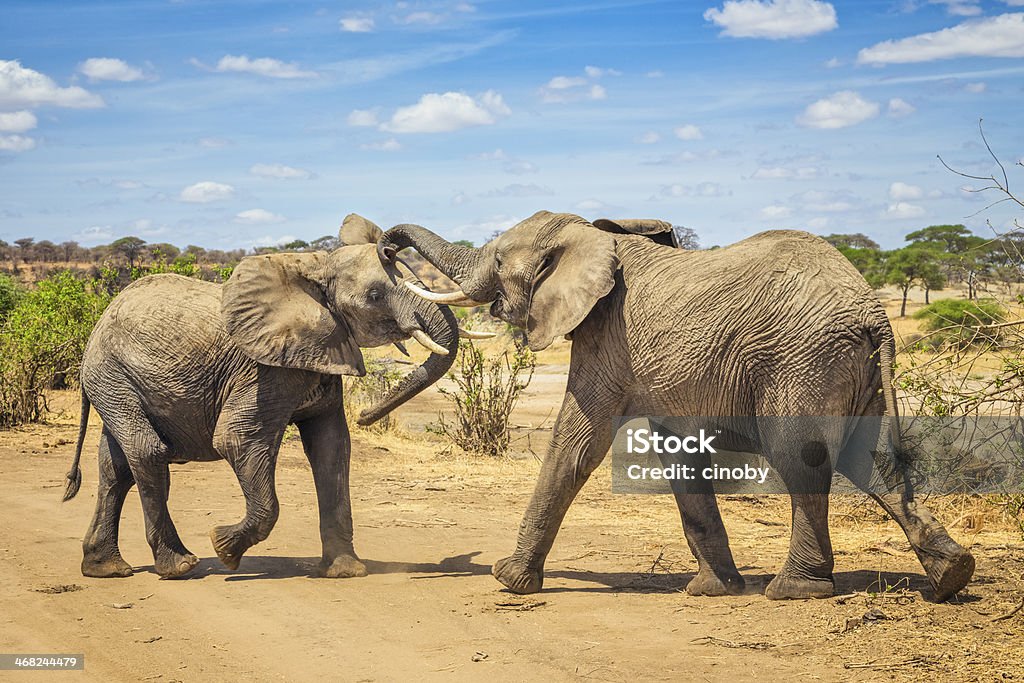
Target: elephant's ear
(581, 273)
(357, 230)
(275, 310)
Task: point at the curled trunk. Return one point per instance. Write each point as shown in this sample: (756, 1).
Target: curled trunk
(443, 328)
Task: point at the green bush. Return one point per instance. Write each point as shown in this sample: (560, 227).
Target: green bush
(960, 322)
(486, 390)
(10, 293)
(41, 344)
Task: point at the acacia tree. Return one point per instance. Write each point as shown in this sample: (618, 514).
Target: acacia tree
(130, 247)
(913, 266)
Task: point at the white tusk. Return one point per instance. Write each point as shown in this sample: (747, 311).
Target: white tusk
(470, 334)
(426, 342)
(457, 298)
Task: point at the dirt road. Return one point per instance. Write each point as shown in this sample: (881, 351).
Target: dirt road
(429, 527)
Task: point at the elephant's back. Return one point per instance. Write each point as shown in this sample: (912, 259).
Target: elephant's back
(165, 316)
(769, 311)
(162, 346)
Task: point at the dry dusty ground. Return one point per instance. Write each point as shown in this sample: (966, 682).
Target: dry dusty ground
(429, 527)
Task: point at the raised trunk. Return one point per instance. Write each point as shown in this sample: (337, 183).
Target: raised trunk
(461, 264)
(443, 328)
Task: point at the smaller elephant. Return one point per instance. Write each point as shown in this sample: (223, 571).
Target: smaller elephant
(185, 370)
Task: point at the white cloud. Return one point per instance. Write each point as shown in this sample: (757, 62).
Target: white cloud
(598, 72)
(845, 108)
(270, 241)
(520, 190)
(446, 112)
(356, 24)
(818, 224)
(959, 8)
(363, 117)
(776, 212)
(904, 210)
(258, 217)
(1000, 36)
(213, 143)
(824, 201)
(424, 18)
(389, 145)
(783, 173)
(206, 191)
(16, 143)
(657, 73)
(773, 19)
(109, 69)
(689, 132)
(901, 191)
(95, 233)
(562, 89)
(17, 121)
(899, 108)
(677, 190)
(280, 172)
(649, 138)
(833, 63)
(262, 66)
(24, 87)
(588, 205)
(460, 198)
(976, 88)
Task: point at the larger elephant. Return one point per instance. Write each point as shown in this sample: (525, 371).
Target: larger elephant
(779, 324)
(182, 370)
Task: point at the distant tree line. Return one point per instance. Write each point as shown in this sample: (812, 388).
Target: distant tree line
(936, 257)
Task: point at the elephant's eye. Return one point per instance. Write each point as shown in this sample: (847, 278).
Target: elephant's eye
(374, 295)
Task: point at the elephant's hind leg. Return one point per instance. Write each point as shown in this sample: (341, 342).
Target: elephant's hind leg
(101, 556)
(807, 572)
(949, 565)
(147, 456)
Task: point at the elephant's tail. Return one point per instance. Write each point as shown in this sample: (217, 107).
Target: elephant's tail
(74, 476)
(888, 447)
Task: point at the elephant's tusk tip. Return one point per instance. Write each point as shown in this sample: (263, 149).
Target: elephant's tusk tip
(424, 340)
(473, 334)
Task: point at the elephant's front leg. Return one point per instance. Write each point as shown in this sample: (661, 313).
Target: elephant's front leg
(581, 438)
(326, 441)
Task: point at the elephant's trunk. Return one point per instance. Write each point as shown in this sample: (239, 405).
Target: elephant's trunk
(440, 325)
(467, 266)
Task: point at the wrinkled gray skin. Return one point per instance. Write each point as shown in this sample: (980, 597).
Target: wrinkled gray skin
(182, 370)
(778, 324)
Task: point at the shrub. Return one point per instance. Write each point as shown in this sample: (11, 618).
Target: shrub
(362, 392)
(486, 391)
(10, 293)
(41, 344)
(960, 322)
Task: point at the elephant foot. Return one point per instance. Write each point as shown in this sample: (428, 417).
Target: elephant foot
(517, 577)
(786, 586)
(948, 570)
(343, 567)
(228, 545)
(105, 568)
(706, 582)
(172, 565)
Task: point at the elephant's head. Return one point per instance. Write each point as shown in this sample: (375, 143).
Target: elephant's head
(543, 275)
(312, 311)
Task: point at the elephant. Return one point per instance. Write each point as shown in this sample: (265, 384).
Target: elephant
(778, 324)
(185, 370)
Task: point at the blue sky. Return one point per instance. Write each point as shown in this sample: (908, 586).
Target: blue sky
(242, 123)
